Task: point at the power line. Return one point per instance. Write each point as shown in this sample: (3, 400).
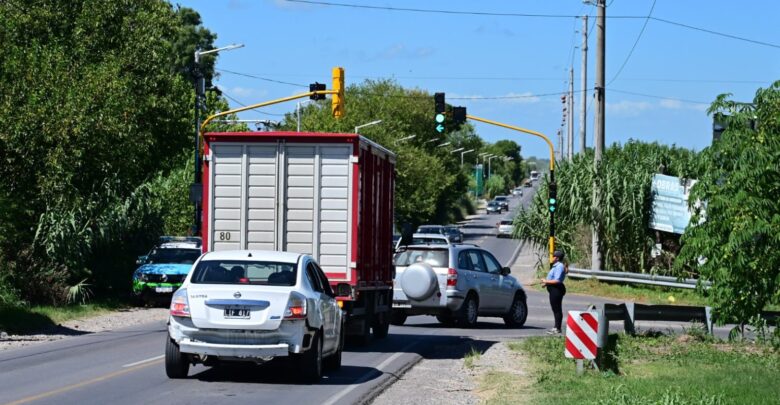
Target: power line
(658, 97)
(244, 105)
(262, 78)
(440, 11)
(638, 37)
(715, 32)
(495, 14)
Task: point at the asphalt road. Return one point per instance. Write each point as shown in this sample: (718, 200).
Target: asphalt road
(126, 366)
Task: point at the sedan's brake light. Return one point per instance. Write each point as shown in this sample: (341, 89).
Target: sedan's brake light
(180, 305)
(452, 277)
(296, 307)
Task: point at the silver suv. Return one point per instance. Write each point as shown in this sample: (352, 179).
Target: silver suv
(456, 283)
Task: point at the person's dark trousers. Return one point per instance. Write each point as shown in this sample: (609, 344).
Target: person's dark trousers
(557, 291)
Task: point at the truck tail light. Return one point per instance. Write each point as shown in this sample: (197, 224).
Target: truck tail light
(452, 277)
(180, 305)
(296, 307)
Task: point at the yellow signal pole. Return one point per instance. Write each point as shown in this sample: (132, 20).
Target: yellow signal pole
(552, 169)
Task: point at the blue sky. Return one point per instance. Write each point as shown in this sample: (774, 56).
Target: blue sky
(519, 60)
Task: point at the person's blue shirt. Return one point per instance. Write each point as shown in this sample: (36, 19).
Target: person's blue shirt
(557, 272)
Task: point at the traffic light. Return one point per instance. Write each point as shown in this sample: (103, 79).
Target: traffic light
(553, 201)
(459, 115)
(317, 87)
(438, 99)
(337, 102)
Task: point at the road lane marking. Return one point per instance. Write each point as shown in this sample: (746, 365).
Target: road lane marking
(144, 361)
(369, 374)
(82, 384)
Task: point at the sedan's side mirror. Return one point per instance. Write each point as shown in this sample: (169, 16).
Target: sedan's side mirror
(142, 260)
(505, 271)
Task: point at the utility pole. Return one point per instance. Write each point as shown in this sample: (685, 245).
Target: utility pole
(570, 136)
(584, 82)
(597, 261)
(560, 141)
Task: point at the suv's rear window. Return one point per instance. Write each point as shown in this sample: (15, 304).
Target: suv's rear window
(506, 222)
(244, 272)
(434, 258)
(500, 198)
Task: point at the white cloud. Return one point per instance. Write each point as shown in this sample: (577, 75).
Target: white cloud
(628, 108)
(671, 104)
(241, 92)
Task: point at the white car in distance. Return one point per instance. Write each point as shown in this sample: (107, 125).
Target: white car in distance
(249, 305)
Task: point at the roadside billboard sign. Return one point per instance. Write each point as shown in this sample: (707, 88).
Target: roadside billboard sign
(670, 203)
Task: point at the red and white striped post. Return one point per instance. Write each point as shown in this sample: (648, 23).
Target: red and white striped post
(582, 336)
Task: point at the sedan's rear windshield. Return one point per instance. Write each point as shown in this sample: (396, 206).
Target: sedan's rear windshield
(244, 272)
(506, 222)
(434, 258)
(500, 198)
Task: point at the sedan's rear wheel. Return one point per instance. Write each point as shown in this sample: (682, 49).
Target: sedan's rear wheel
(309, 363)
(177, 364)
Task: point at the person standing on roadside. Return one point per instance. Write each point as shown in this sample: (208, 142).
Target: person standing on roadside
(556, 289)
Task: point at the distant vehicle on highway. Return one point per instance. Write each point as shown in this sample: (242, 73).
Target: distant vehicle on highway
(503, 200)
(456, 283)
(534, 175)
(452, 232)
(253, 306)
(505, 228)
(518, 192)
(430, 239)
(493, 207)
(528, 184)
(163, 269)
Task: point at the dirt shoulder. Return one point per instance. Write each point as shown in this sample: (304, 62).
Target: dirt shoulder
(113, 320)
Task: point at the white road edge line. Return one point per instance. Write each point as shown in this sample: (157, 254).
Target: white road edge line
(368, 374)
(144, 361)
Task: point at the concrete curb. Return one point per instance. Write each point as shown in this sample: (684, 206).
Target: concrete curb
(392, 378)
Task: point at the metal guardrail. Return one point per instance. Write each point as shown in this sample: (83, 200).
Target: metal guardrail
(634, 278)
(630, 312)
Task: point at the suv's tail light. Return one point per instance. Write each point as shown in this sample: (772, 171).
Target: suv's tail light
(452, 277)
(180, 305)
(296, 307)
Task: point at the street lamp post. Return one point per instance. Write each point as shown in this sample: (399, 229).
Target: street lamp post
(456, 150)
(489, 167)
(441, 145)
(463, 153)
(298, 112)
(196, 192)
(367, 124)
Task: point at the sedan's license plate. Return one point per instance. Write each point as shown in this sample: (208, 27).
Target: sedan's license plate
(163, 289)
(236, 313)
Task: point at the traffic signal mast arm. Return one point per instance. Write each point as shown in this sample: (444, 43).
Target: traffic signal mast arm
(266, 103)
(553, 197)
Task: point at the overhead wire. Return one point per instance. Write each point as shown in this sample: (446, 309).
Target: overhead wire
(638, 37)
(245, 105)
(531, 15)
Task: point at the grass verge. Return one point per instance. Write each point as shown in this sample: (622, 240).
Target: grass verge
(34, 319)
(656, 370)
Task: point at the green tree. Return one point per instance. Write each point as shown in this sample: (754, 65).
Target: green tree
(736, 241)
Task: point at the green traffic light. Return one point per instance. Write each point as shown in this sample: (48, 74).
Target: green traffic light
(552, 208)
(439, 118)
(552, 201)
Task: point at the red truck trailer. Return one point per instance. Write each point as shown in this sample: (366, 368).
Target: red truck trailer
(325, 194)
